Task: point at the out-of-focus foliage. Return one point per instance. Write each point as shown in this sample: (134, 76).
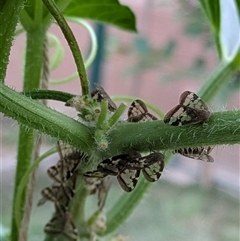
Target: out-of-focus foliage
(107, 11)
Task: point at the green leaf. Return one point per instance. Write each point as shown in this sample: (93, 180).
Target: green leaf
(212, 11)
(224, 18)
(229, 29)
(238, 6)
(107, 11)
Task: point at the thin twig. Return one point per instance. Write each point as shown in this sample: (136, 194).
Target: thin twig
(77, 55)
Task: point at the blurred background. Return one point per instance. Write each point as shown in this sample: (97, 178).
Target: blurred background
(173, 51)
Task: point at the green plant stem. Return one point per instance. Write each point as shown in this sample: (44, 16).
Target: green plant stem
(78, 206)
(53, 9)
(92, 52)
(26, 143)
(24, 181)
(93, 38)
(222, 128)
(117, 115)
(38, 12)
(101, 122)
(49, 95)
(9, 15)
(34, 54)
(35, 115)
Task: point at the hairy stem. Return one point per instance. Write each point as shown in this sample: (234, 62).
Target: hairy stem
(222, 128)
(117, 114)
(101, 122)
(33, 114)
(53, 9)
(49, 95)
(32, 77)
(9, 15)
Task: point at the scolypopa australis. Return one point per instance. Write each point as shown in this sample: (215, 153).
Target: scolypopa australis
(153, 164)
(100, 94)
(96, 174)
(53, 193)
(198, 153)
(139, 162)
(115, 166)
(59, 191)
(102, 191)
(64, 173)
(112, 166)
(69, 160)
(62, 225)
(60, 194)
(63, 170)
(127, 168)
(190, 110)
(138, 112)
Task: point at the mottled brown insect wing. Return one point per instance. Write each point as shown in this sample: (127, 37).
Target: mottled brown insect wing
(100, 94)
(59, 193)
(198, 153)
(50, 193)
(191, 110)
(102, 191)
(95, 173)
(62, 224)
(56, 172)
(67, 165)
(111, 166)
(140, 163)
(138, 112)
(190, 99)
(153, 172)
(153, 164)
(128, 179)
